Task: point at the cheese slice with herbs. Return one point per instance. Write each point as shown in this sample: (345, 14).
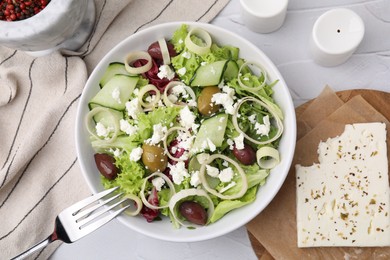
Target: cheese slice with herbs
(345, 199)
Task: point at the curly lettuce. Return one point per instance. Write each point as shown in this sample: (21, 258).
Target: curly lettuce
(130, 178)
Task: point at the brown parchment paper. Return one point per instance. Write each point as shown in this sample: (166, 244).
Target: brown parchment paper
(275, 227)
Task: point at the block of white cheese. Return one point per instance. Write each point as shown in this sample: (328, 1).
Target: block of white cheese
(344, 200)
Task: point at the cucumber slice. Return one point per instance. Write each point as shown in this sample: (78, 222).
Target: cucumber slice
(212, 129)
(124, 84)
(113, 69)
(209, 75)
(103, 118)
(231, 71)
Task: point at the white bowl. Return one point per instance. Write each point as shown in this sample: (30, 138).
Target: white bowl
(233, 220)
(57, 23)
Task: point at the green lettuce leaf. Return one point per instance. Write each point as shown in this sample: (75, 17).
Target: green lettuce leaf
(130, 178)
(226, 206)
(178, 38)
(163, 115)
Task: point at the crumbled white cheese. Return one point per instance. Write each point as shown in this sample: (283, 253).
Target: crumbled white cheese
(211, 145)
(239, 141)
(136, 154)
(226, 175)
(133, 108)
(345, 199)
(182, 71)
(212, 171)
(179, 90)
(103, 131)
(116, 152)
(252, 119)
(203, 63)
(178, 172)
(165, 71)
(230, 142)
(263, 129)
(195, 181)
(158, 134)
(225, 163)
(116, 93)
(226, 99)
(150, 99)
(158, 183)
(187, 118)
(185, 140)
(126, 127)
(136, 92)
(192, 103)
(186, 55)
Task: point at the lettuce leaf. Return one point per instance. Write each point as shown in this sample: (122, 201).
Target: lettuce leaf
(190, 65)
(130, 178)
(163, 115)
(228, 205)
(178, 38)
(124, 142)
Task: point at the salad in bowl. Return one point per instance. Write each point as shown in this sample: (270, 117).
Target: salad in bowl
(189, 129)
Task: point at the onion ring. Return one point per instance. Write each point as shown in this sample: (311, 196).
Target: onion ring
(267, 151)
(142, 192)
(205, 184)
(146, 89)
(263, 72)
(205, 36)
(279, 122)
(136, 55)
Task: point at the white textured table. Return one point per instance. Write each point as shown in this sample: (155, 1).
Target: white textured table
(369, 68)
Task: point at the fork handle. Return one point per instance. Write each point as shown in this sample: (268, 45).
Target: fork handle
(34, 248)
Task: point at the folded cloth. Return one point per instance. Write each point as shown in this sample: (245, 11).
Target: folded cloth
(39, 171)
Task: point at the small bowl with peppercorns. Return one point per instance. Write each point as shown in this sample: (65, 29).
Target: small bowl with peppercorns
(38, 26)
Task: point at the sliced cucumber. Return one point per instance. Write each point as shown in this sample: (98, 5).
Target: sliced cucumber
(234, 51)
(193, 164)
(209, 74)
(105, 119)
(231, 71)
(245, 69)
(211, 130)
(124, 84)
(113, 69)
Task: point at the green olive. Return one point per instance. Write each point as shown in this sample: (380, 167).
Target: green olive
(205, 106)
(154, 158)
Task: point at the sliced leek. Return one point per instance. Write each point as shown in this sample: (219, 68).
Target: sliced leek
(138, 55)
(202, 177)
(145, 90)
(267, 157)
(203, 35)
(167, 181)
(278, 121)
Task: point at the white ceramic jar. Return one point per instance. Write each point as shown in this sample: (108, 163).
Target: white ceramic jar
(62, 23)
(336, 35)
(263, 16)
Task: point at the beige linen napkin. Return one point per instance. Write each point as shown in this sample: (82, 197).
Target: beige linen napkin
(39, 171)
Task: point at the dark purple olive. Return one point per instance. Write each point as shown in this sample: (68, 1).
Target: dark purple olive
(106, 165)
(193, 212)
(246, 156)
(154, 50)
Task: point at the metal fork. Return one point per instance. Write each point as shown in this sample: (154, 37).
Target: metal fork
(81, 219)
